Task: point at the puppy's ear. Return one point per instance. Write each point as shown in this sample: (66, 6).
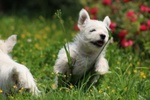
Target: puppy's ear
(107, 22)
(83, 18)
(10, 42)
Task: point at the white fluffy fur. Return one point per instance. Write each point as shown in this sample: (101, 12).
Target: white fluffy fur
(82, 51)
(13, 73)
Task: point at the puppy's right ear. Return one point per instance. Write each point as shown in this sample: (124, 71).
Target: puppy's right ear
(107, 22)
(10, 42)
(83, 18)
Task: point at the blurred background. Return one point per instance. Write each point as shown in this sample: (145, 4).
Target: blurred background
(130, 19)
(45, 8)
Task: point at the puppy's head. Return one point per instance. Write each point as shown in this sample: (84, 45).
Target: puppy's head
(6, 46)
(93, 32)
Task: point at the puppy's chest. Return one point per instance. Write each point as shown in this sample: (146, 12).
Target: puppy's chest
(82, 64)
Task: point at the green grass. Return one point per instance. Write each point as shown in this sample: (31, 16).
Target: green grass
(39, 41)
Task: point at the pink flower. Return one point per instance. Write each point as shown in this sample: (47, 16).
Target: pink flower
(112, 26)
(94, 11)
(148, 24)
(144, 8)
(106, 2)
(124, 43)
(130, 42)
(143, 27)
(122, 33)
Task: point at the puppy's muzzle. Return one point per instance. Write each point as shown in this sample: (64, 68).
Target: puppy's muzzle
(100, 42)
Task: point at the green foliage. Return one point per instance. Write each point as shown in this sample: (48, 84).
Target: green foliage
(39, 41)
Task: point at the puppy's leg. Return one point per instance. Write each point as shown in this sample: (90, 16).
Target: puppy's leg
(61, 68)
(61, 64)
(24, 79)
(101, 68)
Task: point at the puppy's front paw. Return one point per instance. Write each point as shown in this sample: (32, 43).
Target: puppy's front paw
(101, 71)
(102, 67)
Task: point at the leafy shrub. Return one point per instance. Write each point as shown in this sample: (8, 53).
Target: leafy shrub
(130, 21)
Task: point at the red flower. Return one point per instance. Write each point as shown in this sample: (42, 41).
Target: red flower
(148, 24)
(125, 43)
(112, 26)
(76, 27)
(94, 11)
(126, 1)
(106, 2)
(149, 10)
(122, 33)
(131, 15)
(144, 8)
(133, 19)
(130, 42)
(143, 27)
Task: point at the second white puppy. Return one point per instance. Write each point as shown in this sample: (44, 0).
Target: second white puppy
(13, 73)
(85, 50)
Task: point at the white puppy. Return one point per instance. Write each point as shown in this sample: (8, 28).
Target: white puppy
(13, 73)
(87, 51)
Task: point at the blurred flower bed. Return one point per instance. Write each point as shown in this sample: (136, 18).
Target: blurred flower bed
(130, 21)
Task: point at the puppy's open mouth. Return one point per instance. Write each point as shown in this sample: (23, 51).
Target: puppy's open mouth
(98, 43)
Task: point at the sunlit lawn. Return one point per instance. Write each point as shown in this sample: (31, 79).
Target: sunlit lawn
(39, 41)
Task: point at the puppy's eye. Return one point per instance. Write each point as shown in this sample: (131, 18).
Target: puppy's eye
(92, 30)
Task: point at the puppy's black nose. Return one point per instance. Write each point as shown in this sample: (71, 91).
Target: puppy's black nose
(102, 36)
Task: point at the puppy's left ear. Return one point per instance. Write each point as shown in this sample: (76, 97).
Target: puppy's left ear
(10, 42)
(107, 22)
(83, 18)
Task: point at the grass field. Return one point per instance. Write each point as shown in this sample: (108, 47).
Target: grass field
(39, 41)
